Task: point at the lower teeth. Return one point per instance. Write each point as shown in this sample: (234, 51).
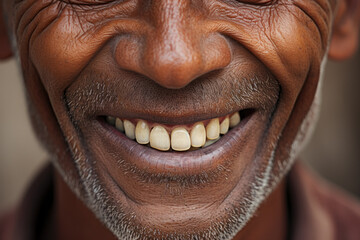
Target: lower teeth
(209, 142)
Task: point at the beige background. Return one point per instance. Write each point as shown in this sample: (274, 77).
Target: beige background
(334, 150)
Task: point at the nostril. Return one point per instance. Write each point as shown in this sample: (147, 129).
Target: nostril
(173, 71)
(128, 53)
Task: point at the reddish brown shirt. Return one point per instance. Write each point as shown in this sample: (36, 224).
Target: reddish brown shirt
(317, 210)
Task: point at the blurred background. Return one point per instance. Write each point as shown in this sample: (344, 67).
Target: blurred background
(334, 151)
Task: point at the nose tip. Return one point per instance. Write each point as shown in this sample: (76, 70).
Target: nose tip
(172, 66)
(176, 48)
(176, 64)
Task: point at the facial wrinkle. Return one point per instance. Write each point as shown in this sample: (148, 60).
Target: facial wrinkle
(307, 127)
(318, 15)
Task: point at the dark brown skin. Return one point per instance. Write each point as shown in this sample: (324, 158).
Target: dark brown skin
(70, 211)
(173, 62)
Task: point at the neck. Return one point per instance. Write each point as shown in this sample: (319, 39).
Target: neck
(75, 221)
(270, 220)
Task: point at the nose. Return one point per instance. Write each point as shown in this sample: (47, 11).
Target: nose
(175, 47)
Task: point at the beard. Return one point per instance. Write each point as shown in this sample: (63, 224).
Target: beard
(124, 225)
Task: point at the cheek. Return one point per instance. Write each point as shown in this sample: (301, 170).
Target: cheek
(69, 39)
(290, 46)
(287, 37)
(296, 48)
(59, 52)
(42, 43)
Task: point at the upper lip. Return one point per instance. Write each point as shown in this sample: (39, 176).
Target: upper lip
(169, 120)
(143, 99)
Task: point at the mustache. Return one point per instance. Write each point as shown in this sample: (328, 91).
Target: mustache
(218, 93)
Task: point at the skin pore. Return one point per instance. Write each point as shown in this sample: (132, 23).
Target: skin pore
(174, 63)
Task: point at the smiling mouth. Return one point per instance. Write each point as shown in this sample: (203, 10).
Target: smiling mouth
(147, 130)
(187, 137)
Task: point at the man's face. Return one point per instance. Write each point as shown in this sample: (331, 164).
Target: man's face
(172, 64)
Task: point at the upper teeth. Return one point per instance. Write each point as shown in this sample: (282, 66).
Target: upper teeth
(179, 138)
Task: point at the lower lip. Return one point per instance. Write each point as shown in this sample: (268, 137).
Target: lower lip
(175, 163)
